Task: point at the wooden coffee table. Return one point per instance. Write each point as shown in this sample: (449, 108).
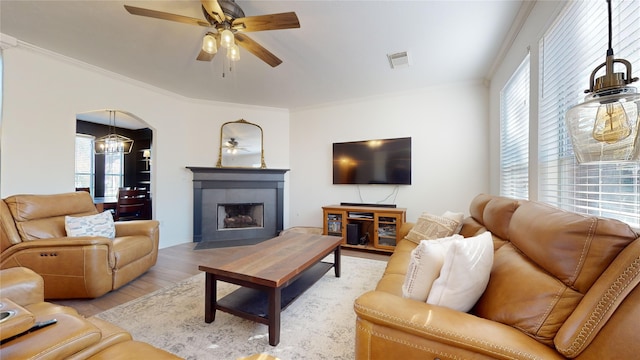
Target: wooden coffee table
(271, 274)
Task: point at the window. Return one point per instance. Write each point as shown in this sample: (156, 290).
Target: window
(84, 161)
(514, 134)
(113, 173)
(574, 45)
(86, 174)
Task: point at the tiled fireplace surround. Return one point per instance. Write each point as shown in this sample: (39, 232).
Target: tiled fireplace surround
(219, 192)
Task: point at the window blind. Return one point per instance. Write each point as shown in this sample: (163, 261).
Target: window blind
(113, 173)
(514, 134)
(572, 47)
(84, 161)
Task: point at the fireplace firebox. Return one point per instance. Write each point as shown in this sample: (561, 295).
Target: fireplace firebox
(240, 216)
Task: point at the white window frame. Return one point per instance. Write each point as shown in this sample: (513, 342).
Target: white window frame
(91, 173)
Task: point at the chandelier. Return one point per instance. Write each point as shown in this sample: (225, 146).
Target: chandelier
(112, 143)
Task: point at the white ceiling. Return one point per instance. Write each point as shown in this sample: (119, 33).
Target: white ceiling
(339, 52)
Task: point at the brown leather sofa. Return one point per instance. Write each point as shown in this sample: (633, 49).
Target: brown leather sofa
(32, 235)
(562, 286)
(70, 337)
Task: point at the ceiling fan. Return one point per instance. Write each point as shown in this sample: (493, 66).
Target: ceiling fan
(230, 25)
(232, 146)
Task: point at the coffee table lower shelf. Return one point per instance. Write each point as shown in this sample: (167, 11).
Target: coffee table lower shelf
(259, 303)
(253, 304)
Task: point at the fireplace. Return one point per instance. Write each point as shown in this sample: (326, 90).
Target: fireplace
(237, 204)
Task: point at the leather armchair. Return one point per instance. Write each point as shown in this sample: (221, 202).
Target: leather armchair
(70, 337)
(32, 235)
(562, 286)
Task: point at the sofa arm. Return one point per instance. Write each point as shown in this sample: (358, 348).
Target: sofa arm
(148, 228)
(22, 285)
(71, 267)
(404, 229)
(56, 243)
(419, 329)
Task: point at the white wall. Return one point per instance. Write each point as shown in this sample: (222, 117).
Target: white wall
(448, 127)
(43, 92)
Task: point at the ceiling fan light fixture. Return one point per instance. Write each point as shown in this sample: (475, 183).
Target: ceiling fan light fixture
(226, 38)
(209, 44)
(233, 53)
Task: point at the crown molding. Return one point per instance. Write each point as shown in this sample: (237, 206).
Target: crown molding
(7, 41)
(523, 13)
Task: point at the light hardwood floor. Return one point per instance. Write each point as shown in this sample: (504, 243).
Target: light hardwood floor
(174, 264)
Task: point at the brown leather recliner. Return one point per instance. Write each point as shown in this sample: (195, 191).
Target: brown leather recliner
(70, 336)
(562, 286)
(32, 235)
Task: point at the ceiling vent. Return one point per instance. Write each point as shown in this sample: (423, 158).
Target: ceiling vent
(399, 60)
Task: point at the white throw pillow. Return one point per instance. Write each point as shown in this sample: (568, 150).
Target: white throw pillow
(465, 272)
(91, 225)
(424, 268)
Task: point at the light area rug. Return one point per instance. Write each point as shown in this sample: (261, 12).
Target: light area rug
(320, 324)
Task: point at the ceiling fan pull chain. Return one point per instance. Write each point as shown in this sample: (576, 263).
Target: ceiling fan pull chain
(224, 66)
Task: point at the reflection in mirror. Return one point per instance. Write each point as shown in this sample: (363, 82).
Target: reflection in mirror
(241, 145)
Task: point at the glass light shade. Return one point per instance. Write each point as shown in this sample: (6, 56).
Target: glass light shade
(604, 128)
(233, 53)
(209, 44)
(113, 143)
(226, 38)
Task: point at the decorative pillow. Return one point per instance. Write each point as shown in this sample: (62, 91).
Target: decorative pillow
(459, 217)
(465, 272)
(431, 226)
(92, 225)
(424, 268)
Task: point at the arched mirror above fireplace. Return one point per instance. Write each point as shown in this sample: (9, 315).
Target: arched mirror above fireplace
(241, 145)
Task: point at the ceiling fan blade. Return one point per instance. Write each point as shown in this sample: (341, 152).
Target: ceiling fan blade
(257, 50)
(205, 56)
(165, 16)
(288, 20)
(214, 10)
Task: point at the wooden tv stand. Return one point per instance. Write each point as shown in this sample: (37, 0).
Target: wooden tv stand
(380, 225)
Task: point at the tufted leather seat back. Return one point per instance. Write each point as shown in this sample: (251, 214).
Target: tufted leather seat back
(545, 263)
(42, 216)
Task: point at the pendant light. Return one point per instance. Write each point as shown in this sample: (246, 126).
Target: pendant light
(112, 143)
(604, 128)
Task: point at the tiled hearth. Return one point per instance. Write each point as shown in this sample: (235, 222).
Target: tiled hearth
(237, 204)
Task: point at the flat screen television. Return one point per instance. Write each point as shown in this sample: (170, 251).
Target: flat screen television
(384, 161)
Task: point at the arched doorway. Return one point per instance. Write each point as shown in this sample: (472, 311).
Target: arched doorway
(103, 173)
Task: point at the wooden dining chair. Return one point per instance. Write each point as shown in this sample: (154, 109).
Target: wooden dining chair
(131, 204)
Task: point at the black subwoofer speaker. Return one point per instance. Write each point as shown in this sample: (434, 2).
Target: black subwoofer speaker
(353, 234)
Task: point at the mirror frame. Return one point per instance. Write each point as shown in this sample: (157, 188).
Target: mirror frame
(263, 165)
